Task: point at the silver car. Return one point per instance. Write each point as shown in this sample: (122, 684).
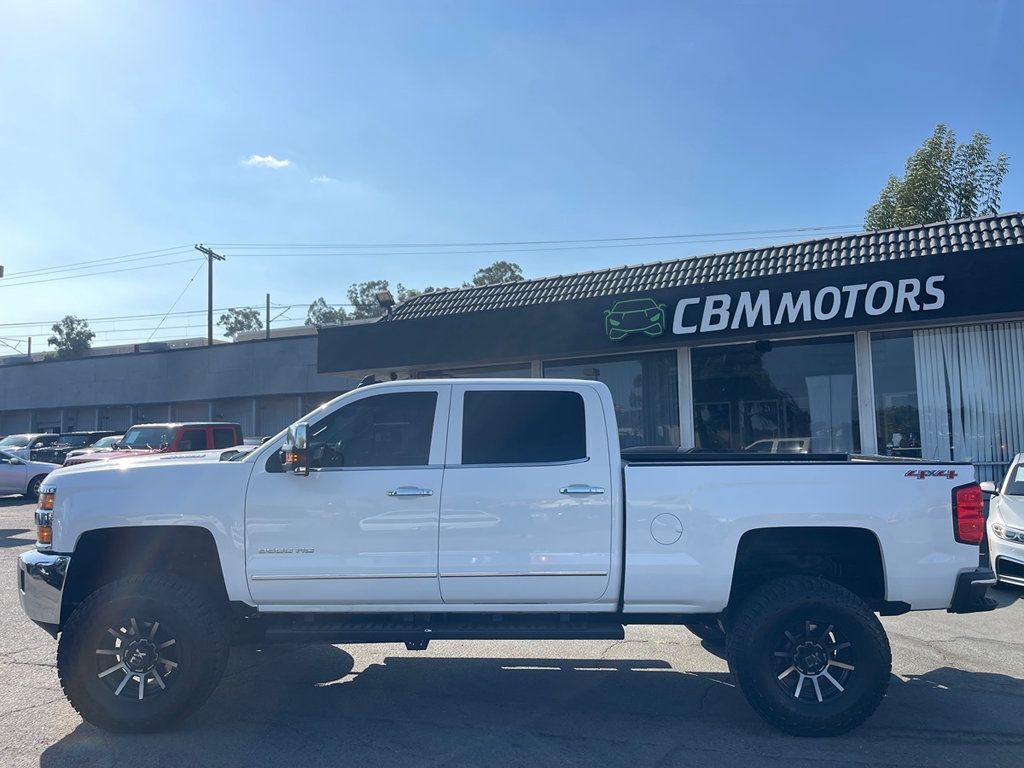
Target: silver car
(21, 476)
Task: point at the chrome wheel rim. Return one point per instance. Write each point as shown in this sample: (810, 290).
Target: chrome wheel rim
(138, 659)
(813, 662)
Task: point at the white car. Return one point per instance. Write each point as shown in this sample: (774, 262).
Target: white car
(781, 445)
(21, 446)
(20, 476)
(492, 509)
(1006, 525)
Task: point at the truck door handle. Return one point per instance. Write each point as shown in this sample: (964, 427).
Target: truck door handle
(582, 490)
(410, 490)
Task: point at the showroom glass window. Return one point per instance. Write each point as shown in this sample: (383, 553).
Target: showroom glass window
(772, 396)
(896, 408)
(644, 389)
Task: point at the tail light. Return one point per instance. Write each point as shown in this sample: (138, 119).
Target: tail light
(968, 514)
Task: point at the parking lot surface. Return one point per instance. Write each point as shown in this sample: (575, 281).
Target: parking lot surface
(654, 699)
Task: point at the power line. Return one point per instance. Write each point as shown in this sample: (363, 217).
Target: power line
(191, 279)
(121, 317)
(5, 284)
(179, 313)
(307, 254)
(786, 230)
(140, 256)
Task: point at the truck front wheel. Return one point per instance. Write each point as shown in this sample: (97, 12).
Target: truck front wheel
(809, 655)
(142, 653)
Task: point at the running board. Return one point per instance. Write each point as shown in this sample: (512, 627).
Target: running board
(416, 630)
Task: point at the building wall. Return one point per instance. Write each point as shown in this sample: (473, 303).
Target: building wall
(260, 384)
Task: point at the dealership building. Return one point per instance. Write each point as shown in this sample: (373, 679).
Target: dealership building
(906, 342)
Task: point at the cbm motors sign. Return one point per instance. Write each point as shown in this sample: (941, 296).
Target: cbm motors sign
(967, 286)
(765, 308)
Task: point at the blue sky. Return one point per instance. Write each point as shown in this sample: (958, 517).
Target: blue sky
(125, 127)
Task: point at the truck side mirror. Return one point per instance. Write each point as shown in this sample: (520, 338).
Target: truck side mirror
(988, 487)
(296, 449)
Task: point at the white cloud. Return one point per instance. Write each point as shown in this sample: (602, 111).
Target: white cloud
(265, 161)
(321, 180)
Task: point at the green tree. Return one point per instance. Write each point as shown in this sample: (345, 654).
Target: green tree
(942, 180)
(240, 320)
(404, 294)
(498, 272)
(363, 298)
(320, 313)
(71, 337)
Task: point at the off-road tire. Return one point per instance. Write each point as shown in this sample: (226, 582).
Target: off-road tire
(759, 628)
(198, 627)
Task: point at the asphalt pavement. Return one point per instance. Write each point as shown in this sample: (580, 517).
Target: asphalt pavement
(654, 699)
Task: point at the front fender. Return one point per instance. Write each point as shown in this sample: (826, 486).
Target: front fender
(209, 495)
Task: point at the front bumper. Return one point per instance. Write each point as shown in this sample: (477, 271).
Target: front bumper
(969, 595)
(41, 585)
(1007, 558)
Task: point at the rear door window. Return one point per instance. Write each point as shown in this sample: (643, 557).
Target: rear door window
(192, 440)
(224, 437)
(523, 427)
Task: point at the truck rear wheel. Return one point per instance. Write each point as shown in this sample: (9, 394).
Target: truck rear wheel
(810, 656)
(142, 653)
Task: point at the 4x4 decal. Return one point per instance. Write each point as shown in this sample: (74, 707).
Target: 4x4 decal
(921, 474)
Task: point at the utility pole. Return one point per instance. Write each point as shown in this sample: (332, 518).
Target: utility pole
(268, 317)
(210, 256)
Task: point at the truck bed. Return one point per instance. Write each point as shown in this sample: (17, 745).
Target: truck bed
(662, 455)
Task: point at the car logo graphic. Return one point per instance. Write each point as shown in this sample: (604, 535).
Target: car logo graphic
(631, 316)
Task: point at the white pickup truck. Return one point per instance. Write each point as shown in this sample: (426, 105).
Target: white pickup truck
(414, 511)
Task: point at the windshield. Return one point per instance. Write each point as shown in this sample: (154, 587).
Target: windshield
(14, 441)
(147, 437)
(1015, 481)
(106, 442)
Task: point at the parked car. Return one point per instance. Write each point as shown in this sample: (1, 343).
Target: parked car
(107, 443)
(22, 476)
(780, 445)
(56, 452)
(1006, 524)
(493, 509)
(144, 439)
(23, 445)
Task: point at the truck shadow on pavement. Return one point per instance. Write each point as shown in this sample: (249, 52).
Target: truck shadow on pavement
(296, 705)
(15, 537)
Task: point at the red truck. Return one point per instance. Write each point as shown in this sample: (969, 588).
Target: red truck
(144, 439)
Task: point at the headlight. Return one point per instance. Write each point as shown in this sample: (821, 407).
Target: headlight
(44, 527)
(1008, 533)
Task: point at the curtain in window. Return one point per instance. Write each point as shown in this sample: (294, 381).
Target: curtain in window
(970, 383)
